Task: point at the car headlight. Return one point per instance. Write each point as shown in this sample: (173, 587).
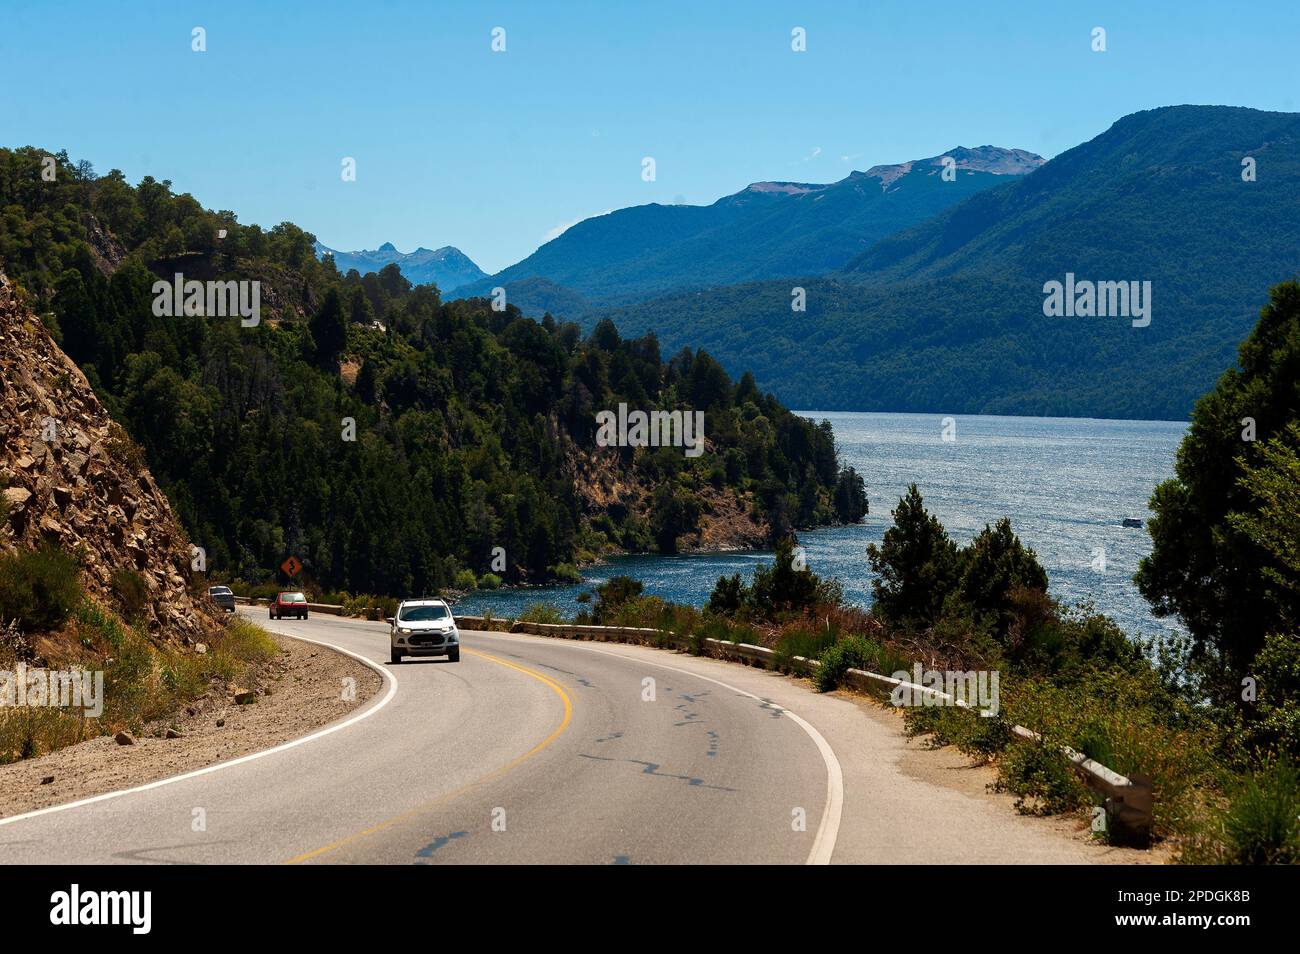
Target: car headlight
(405, 632)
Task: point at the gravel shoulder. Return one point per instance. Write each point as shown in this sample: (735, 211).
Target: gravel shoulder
(949, 769)
(301, 690)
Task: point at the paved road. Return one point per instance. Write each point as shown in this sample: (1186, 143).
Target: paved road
(533, 750)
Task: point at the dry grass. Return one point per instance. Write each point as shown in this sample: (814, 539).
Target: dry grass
(142, 682)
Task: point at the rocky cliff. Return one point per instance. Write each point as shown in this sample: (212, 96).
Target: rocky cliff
(71, 476)
(603, 484)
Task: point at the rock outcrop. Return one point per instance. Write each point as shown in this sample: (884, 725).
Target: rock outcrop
(71, 476)
(604, 484)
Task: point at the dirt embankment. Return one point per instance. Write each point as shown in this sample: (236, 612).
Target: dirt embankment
(70, 476)
(304, 688)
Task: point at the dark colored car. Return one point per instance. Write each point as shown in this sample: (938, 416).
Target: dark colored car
(289, 604)
(222, 597)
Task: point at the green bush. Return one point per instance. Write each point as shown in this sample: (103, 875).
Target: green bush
(852, 652)
(370, 607)
(801, 641)
(728, 596)
(465, 580)
(1041, 778)
(1273, 725)
(489, 581)
(130, 592)
(1261, 825)
(565, 573)
(981, 737)
(541, 613)
(611, 595)
(38, 588)
(916, 565)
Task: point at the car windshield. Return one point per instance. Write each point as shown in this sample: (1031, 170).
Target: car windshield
(422, 614)
(292, 598)
(219, 590)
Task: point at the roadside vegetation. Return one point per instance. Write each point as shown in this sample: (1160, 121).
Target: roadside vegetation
(48, 622)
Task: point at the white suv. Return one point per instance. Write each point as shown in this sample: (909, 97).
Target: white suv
(423, 628)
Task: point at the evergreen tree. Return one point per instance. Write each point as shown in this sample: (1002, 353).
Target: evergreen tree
(1205, 565)
(916, 565)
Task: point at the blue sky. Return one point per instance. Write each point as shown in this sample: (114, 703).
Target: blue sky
(494, 152)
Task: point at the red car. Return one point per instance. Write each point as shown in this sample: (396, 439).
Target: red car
(288, 604)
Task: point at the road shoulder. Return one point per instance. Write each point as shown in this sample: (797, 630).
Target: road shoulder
(306, 687)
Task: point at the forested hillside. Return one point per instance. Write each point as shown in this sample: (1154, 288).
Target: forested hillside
(947, 316)
(766, 230)
(471, 427)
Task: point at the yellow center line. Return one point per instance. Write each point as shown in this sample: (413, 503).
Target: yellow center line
(425, 806)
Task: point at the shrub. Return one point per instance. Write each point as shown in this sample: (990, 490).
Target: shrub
(1259, 826)
(121, 448)
(565, 572)
(1274, 725)
(612, 594)
(783, 588)
(38, 588)
(370, 607)
(465, 580)
(728, 596)
(130, 592)
(994, 567)
(15, 645)
(980, 737)
(541, 613)
(642, 611)
(852, 652)
(489, 581)
(1041, 778)
(1128, 723)
(801, 641)
(716, 627)
(1263, 822)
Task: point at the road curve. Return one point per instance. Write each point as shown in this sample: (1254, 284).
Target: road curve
(533, 750)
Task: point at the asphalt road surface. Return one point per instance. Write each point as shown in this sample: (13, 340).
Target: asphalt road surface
(535, 750)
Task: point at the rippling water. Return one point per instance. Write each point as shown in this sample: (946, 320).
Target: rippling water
(1066, 483)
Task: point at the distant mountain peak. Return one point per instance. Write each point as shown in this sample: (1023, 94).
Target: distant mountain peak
(447, 267)
(786, 188)
(770, 228)
(991, 159)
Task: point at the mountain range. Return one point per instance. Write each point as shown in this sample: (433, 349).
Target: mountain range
(449, 268)
(925, 292)
(948, 315)
(766, 230)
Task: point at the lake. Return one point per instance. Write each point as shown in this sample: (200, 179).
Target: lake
(1066, 483)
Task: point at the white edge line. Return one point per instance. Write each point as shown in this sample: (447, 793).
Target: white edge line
(829, 827)
(283, 746)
